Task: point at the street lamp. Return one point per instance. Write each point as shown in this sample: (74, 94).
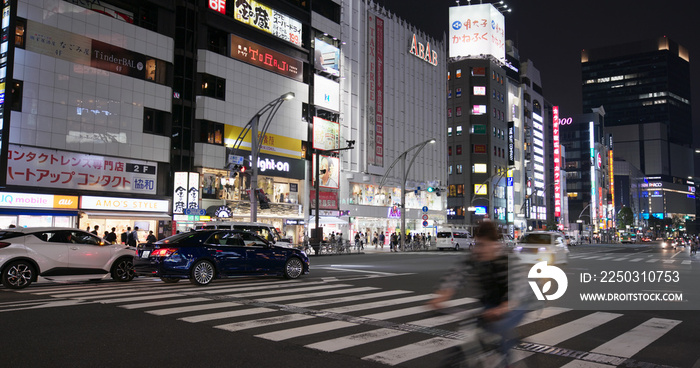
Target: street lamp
(255, 145)
(405, 171)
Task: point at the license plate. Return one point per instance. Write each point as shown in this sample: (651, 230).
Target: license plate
(145, 253)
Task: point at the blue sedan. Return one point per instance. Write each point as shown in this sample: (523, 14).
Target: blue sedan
(204, 255)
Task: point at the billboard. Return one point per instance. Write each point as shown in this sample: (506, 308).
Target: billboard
(326, 134)
(269, 20)
(329, 171)
(557, 161)
(477, 30)
(7, 47)
(326, 93)
(375, 90)
(326, 57)
(268, 59)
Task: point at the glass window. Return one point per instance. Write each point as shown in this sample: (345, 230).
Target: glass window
(458, 73)
(449, 150)
(449, 113)
(449, 131)
(449, 170)
(459, 149)
(459, 169)
(459, 130)
(449, 93)
(459, 110)
(458, 92)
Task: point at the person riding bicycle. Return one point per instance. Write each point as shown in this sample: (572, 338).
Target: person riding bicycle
(487, 269)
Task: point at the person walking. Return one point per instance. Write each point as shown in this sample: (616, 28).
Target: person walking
(381, 239)
(151, 238)
(125, 235)
(112, 236)
(134, 237)
(94, 231)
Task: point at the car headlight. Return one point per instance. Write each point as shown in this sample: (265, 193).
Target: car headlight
(663, 244)
(542, 249)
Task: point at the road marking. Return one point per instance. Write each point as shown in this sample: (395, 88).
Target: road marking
(316, 295)
(594, 257)
(652, 260)
(362, 271)
(227, 314)
(572, 329)
(413, 351)
(636, 339)
(541, 314)
(637, 260)
(620, 259)
(686, 262)
(583, 364)
(381, 303)
(604, 258)
(305, 330)
(138, 298)
(352, 298)
(192, 308)
(238, 326)
(362, 338)
(164, 302)
(667, 261)
(56, 303)
(288, 290)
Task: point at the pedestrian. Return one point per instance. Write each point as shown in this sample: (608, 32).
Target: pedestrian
(492, 275)
(94, 231)
(105, 235)
(112, 236)
(375, 240)
(125, 235)
(133, 239)
(88, 230)
(12, 226)
(381, 239)
(362, 240)
(357, 240)
(150, 239)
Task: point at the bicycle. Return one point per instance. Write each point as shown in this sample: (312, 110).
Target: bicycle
(480, 348)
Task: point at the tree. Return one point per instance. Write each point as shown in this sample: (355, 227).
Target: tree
(625, 218)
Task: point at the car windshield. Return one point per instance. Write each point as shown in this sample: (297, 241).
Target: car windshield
(536, 239)
(444, 234)
(182, 237)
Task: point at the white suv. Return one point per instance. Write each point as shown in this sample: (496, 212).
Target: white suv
(57, 253)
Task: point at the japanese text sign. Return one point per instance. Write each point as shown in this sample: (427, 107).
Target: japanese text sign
(269, 20)
(38, 167)
(262, 57)
(477, 30)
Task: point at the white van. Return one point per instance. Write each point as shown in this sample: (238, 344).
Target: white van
(264, 230)
(449, 238)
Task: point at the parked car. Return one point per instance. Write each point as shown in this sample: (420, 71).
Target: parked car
(449, 238)
(60, 253)
(541, 246)
(203, 255)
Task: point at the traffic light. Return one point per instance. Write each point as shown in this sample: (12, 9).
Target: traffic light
(431, 189)
(437, 192)
(237, 169)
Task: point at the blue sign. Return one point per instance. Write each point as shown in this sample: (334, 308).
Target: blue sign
(425, 208)
(481, 210)
(425, 223)
(196, 212)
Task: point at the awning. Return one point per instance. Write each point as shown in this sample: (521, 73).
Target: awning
(158, 215)
(327, 221)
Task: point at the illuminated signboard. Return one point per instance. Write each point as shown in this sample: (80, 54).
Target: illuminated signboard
(479, 148)
(477, 30)
(326, 57)
(326, 93)
(611, 174)
(6, 61)
(479, 168)
(481, 189)
(423, 51)
(326, 134)
(480, 210)
(479, 91)
(185, 191)
(479, 109)
(591, 143)
(329, 171)
(262, 57)
(218, 5)
(123, 204)
(557, 161)
(268, 20)
(511, 143)
(33, 200)
(375, 90)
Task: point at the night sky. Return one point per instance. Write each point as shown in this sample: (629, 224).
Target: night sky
(552, 34)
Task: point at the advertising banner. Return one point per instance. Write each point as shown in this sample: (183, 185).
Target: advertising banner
(329, 178)
(38, 167)
(327, 200)
(477, 30)
(269, 20)
(326, 57)
(326, 93)
(33, 200)
(262, 57)
(371, 85)
(326, 134)
(123, 204)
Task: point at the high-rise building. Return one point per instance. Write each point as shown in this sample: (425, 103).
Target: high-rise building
(645, 89)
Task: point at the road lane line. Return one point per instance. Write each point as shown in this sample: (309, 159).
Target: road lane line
(413, 351)
(238, 326)
(227, 314)
(276, 299)
(192, 308)
(636, 339)
(350, 341)
(561, 333)
(381, 303)
(346, 299)
(637, 260)
(541, 314)
(305, 330)
(164, 302)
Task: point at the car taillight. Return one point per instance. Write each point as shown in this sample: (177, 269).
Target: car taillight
(163, 252)
(3, 244)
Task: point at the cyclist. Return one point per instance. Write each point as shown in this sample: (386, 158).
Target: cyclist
(487, 268)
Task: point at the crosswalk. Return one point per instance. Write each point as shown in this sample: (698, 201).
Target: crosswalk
(631, 258)
(393, 327)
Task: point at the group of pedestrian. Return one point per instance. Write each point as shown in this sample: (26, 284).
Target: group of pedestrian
(128, 237)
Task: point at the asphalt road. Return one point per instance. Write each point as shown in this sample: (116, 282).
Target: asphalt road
(362, 310)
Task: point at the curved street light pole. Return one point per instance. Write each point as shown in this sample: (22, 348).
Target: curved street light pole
(255, 145)
(404, 177)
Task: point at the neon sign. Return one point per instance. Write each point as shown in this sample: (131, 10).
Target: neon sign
(557, 162)
(423, 51)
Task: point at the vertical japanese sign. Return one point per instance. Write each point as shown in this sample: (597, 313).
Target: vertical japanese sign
(591, 143)
(185, 191)
(7, 47)
(379, 119)
(371, 86)
(557, 162)
(611, 174)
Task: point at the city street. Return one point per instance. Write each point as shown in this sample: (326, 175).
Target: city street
(360, 310)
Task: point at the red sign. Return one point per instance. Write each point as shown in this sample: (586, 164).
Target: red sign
(262, 57)
(327, 200)
(557, 162)
(479, 148)
(218, 5)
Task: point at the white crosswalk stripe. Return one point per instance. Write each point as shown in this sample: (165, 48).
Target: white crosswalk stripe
(326, 312)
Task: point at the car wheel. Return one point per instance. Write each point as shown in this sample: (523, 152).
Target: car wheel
(293, 268)
(457, 247)
(123, 270)
(202, 273)
(169, 280)
(18, 275)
